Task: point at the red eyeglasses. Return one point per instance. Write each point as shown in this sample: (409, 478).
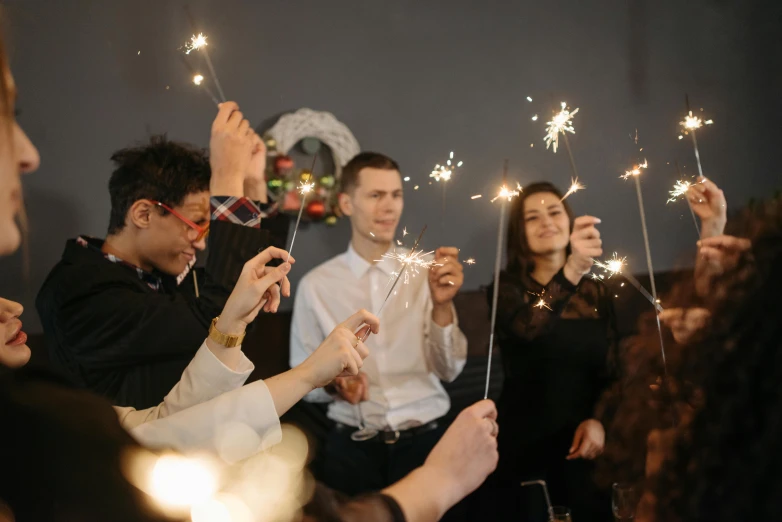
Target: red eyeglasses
(201, 231)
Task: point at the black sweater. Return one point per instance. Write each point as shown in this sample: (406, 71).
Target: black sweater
(120, 338)
(555, 357)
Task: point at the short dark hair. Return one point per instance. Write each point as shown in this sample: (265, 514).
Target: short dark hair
(375, 160)
(161, 170)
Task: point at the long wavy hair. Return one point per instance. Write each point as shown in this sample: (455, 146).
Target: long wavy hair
(521, 260)
(722, 404)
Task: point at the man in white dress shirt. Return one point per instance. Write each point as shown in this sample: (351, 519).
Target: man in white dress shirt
(398, 394)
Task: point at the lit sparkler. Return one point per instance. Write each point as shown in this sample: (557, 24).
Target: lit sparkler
(443, 173)
(416, 260)
(197, 79)
(410, 257)
(198, 43)
(690, 124)
(470, 261)
(305, 187)
(505, 195)
(575, 186)
(635, 173)
(680, 189)
(562, 122)
(616, 266)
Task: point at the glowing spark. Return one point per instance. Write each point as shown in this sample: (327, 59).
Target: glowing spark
(679, 189)
(529, 98)
(535, 118)
(197, 79)
(708, 122)
(542, 304)
(444, 172)
(476, 196)
(399, 242)
(470, 261)
(306, 187)
(407, 178)
(404, 232)
(681, 137)
(415, 260)
(371, 234)
(507, 193)
(635, 171)
(691, 122)
(415, 188)
(561, 122)
(612, 266)
(575, 186)
(195, 43)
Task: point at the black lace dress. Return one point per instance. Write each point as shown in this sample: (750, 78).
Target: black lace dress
(557, 342)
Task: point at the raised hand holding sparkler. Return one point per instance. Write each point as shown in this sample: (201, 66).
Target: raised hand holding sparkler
(708, 203)
(682, 188)
(445, 280)
(230, 151)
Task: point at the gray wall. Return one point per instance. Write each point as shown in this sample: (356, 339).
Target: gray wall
(414, 79)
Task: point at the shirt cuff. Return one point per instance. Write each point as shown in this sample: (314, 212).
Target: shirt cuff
(241, 211)
(211, 370)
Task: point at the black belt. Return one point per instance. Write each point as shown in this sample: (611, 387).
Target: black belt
(393, 436)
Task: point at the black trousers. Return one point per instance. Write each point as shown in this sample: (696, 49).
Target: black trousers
(354, 468)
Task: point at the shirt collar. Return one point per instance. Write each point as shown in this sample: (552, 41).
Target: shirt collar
(154, 281)
(359, 266)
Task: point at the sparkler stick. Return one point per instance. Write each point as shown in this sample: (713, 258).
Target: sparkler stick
(506, 195)
(304, 188)
(198, 80)
(680, 189)
(398, 277)
(635, 173)
(199, 43)
(691, 124)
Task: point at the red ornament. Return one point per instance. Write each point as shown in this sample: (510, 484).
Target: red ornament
(316, 209)
(283, 163)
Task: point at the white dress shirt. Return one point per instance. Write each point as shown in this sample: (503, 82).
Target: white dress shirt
(207, 409)
(407, 358)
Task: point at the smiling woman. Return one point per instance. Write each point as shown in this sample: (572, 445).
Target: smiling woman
(555, 329)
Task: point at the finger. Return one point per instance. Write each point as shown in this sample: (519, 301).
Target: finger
(365, 382)
(270, 253)
(590, 243)
(712, 254)
(359, 318)
(362, 350)
(592, 252)
(286, 286)
(578, 438)
(726, 242)
(224, 111)
(234, 119)
(589, 233)
(449, 280)
(585, 221)
(485, 408)
(363, 332)
(351, 367)
(244, 127)
(446, 252)
(274, 298)
(273, 276)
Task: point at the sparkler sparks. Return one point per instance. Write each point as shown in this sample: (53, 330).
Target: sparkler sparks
(507, 193)
(197, 79)
(560, 123)
(612, 266)
(635, 171)
(542, 304)
(692, 123)
(476, 196)
(444, 172)
(470, 261)
(404, 232)
(305, 187)
(679, 189)
(575, 186)
(195, 43)
(415, 260)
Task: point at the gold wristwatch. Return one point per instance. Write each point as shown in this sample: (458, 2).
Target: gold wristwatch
(227, 340)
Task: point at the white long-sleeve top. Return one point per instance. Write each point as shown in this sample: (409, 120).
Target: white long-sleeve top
(407, 359)
(207, 400)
